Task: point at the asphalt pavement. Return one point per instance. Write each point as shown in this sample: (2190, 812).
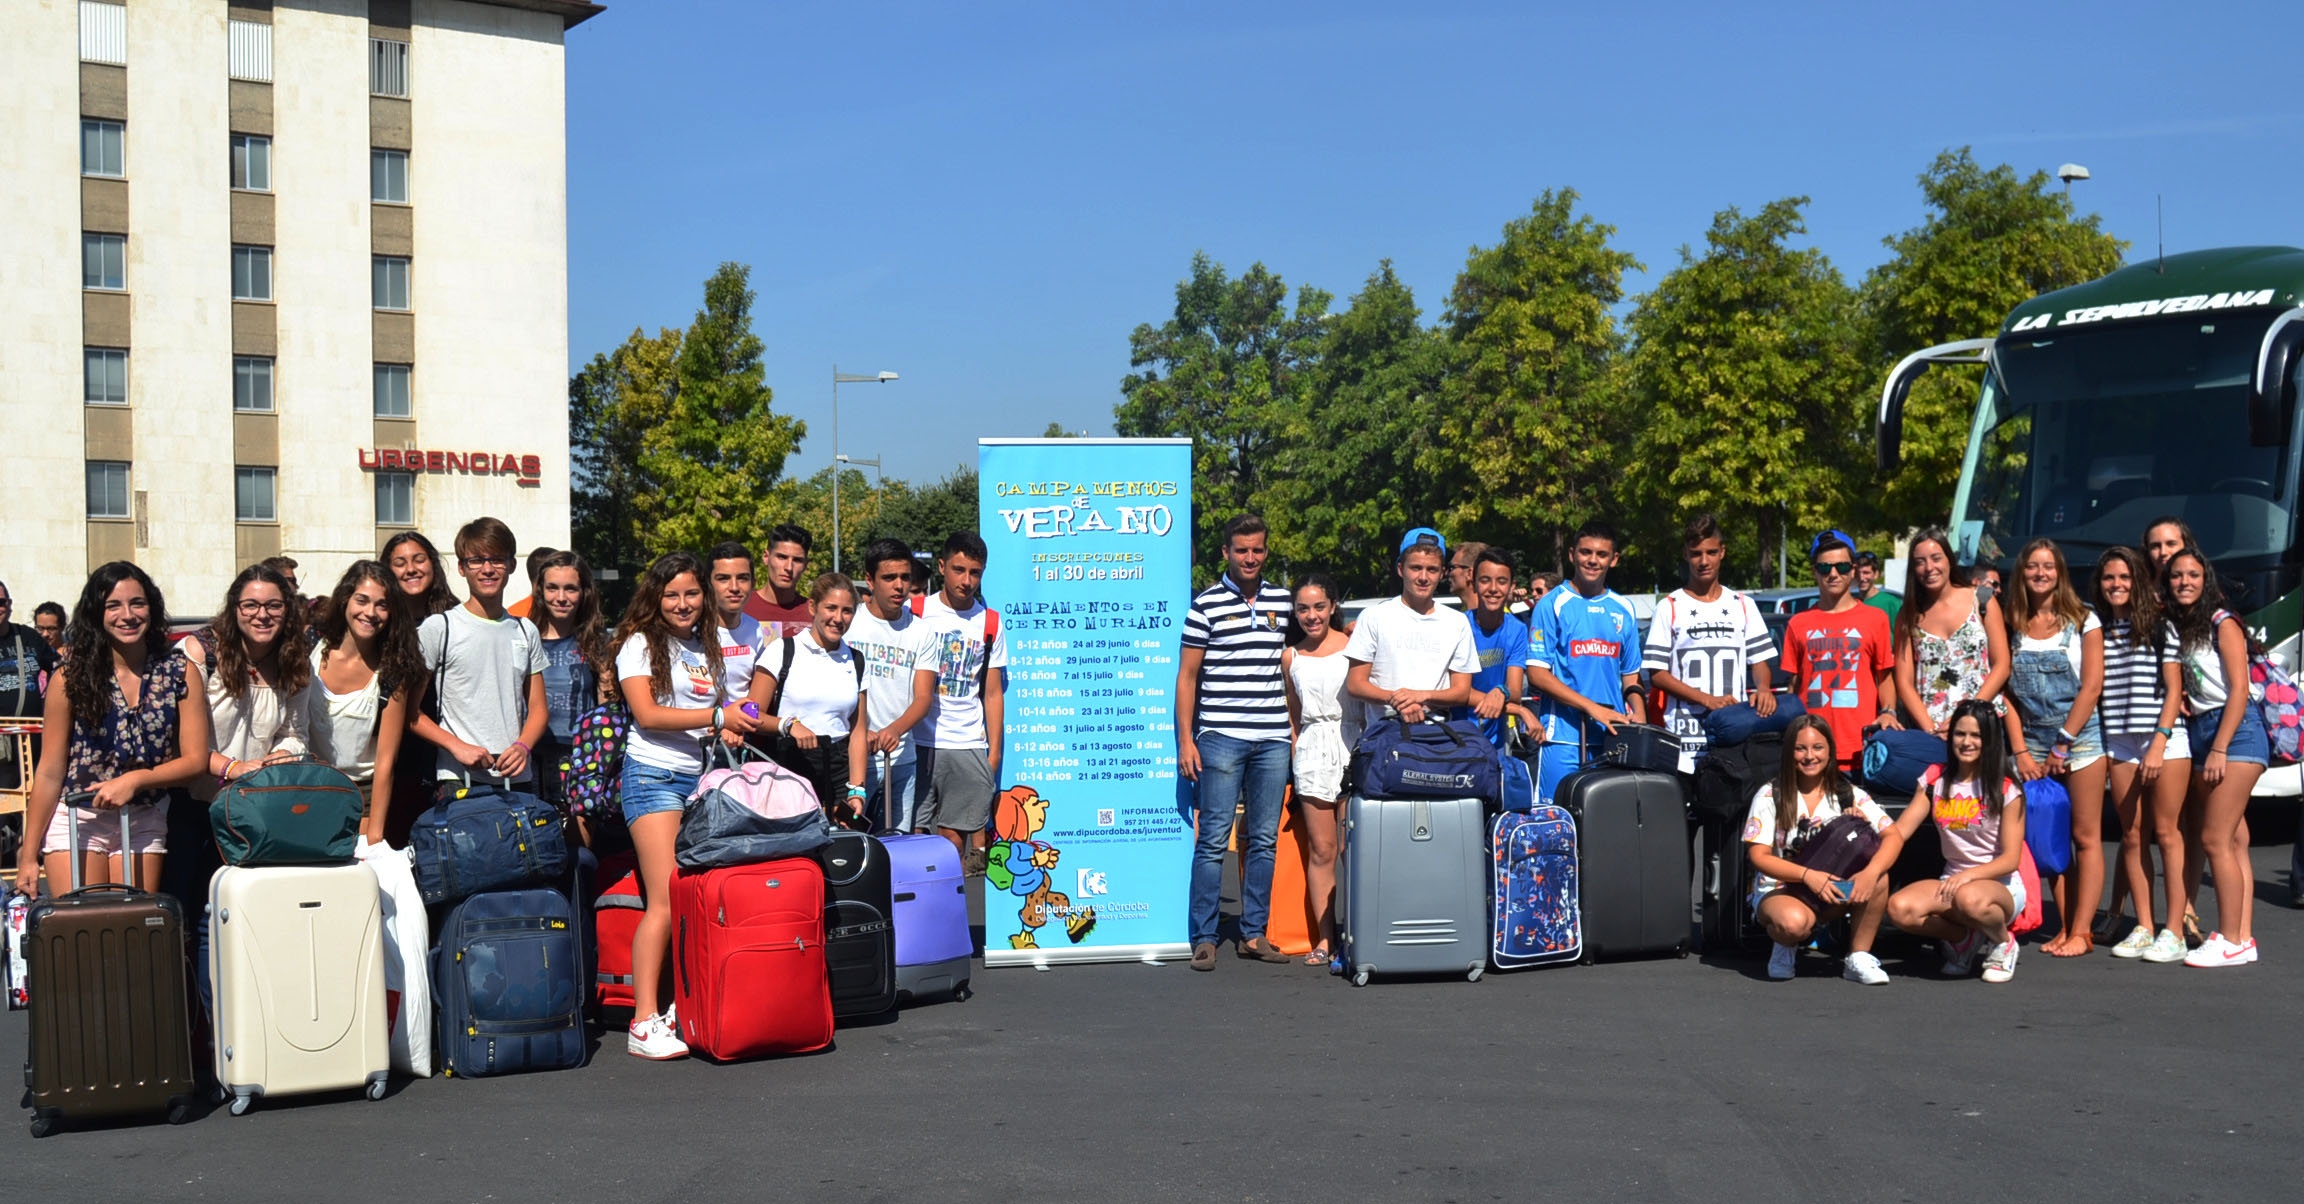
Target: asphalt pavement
(1692, 1079)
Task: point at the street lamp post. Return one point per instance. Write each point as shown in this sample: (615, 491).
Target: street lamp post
(840, 378)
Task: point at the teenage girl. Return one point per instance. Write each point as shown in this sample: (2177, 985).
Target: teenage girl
(670, 677)
(2163, 538)
(1978, 809)
(2229, 743)
(2149, 750)
(1325, 728)
(362, 669)
(576, 663)
(1790, 900)
(820, 719)
(1951, 641)
(136, 726)
(423, 592)
(2056, 679)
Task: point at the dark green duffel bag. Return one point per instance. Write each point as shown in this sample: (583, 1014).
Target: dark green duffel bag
(294, 813)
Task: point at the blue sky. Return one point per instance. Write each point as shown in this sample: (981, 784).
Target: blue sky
(987, 198)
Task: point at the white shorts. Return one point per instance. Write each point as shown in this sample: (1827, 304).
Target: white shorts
(1320, 761)
(2129, 750)
(2015, 884)
(100, 830)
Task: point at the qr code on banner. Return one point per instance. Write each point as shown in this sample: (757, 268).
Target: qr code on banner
(1105, 817)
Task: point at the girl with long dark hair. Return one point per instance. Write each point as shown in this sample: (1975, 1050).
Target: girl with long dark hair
(363, 666)
(1978, 809)
(2148, 746)
(2230, 747)
(577, 661)
(1951, 641)
(1789, 899)
(422, 583)
(1326, 726)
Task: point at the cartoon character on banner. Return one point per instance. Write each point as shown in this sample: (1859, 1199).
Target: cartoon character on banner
(1023, 867)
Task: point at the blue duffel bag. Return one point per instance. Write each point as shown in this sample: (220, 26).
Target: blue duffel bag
(1737, 724)
(1436, 759)
(486, 837)
(1894, 760)
(2048, 824)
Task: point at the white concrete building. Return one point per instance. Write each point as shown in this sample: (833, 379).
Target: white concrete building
(278, 277)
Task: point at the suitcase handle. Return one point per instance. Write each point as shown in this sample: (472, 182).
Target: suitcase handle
(71, 804)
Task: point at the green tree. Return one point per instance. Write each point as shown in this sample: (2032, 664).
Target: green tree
(1347, 478)
(1532, 434)
(1222, 370)
(1749, 366)
(612, 402)
(923, 515)
(714, 459)
(1991, 240)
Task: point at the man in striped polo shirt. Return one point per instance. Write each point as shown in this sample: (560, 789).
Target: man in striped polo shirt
(1232, 735)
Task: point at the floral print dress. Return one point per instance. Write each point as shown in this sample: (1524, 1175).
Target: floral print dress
(1950, 670)
(130, 737)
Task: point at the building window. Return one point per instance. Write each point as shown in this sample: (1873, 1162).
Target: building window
(392, 400)
(395, 499)
(252, 384)
(252, 161)
(103, 33)
(100, 147)
(252, 495)
(390, 286)
(105, 375)
(387, 67)
(104, 261)
(251, 273)
(249, 50)
(107, 489)
(388, 176)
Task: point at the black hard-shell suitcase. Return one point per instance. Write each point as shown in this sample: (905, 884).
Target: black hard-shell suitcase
(1632, 853)
(1638, 746)
(859, 925)
(111, 1031)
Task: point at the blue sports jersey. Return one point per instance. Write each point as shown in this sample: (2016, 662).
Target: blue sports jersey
(1507, 647)
(1590, 644)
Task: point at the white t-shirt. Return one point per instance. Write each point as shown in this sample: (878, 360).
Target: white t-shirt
(1760, 825)
(954, 650)
(2072, 651)
(1710, 646)
(822, 690)
(739, 647)
(692, 689)
(889, 651)
(480, 669)
(1408, 651)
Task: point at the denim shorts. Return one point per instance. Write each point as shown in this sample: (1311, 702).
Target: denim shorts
(648, 789)
(2040, 740)
(2250, 745)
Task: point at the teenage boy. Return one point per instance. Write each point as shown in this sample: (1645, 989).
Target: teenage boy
(742, 637)
(486, 668)
(1463, 561)
(1839, 654)
(1707, 646)
(781, 609)
(963, 669)
(890, 638)
(1583, 658)
(1500, 642)
(1868, 589)
(1410, 656)
(1232, 735)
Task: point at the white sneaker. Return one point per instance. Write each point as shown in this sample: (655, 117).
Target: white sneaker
(2135, 943)
(1782, 961)
(2216, 951)
(2167, 947)
(1864, 968)
(2000, 964)
(1958, 955)
(654, 1039)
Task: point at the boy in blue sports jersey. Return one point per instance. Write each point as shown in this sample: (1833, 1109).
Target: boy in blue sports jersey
(1583, 659)
(1500, 640)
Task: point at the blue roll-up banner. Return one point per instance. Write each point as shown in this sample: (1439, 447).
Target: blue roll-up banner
(1091, 571)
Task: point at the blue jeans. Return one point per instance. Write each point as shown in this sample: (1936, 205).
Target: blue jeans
(904, 774)
(1233, 771)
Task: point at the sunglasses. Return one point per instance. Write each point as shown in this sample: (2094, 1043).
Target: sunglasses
(1836, 568)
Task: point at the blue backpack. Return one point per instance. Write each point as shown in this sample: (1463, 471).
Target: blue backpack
(484, 838)
(1437, 759)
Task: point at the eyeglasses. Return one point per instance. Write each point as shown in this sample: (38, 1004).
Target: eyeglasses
(262, 608)
(475, 562)
(1834, 568)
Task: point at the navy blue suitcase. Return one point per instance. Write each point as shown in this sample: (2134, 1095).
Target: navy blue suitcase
(508, 985)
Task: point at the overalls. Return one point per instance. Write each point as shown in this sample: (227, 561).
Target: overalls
(2045, 685)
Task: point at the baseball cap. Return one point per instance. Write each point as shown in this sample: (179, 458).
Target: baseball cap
(1817, 544)
(1423, 537)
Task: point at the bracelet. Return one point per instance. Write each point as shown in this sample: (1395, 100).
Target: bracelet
(856, 791)
(717, 718)
(2168, 732)
(2065, 737)
(522, 745)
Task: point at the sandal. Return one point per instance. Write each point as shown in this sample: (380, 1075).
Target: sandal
(1318, 956)
(2192, 926)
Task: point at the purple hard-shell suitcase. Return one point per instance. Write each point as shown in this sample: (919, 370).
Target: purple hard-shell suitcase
(933, 944)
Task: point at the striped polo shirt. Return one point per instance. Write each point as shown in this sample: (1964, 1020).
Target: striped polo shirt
(1240, 693)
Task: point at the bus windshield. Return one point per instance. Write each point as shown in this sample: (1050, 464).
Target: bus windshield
(2086, 437)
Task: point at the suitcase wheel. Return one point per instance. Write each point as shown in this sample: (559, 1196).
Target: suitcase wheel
(1473, 975)
(1360, 977)
(179, 1110)
(240, 1105)
(376, 1089)
(43, 1123)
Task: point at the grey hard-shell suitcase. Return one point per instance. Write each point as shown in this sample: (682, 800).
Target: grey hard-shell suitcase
(1412, 887)
(1633, 868)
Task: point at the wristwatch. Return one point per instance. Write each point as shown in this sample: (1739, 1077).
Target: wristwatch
(717, 718)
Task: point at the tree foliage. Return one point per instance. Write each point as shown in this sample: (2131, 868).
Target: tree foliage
(612, 404)
(924, 515)
(1992, 240)
(1750, 370)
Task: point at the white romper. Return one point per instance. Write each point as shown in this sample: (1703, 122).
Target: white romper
(1326, 727)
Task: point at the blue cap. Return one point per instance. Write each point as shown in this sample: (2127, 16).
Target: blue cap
(1815, 545)
(1424, 537)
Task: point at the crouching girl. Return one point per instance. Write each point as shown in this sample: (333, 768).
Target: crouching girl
(1978, 809)
(1780, 834)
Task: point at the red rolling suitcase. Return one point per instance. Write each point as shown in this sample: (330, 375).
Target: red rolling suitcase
(748, 959)
(616, 913)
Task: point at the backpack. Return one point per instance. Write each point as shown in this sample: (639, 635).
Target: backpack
(784, 670)
(592, 773)
(2272, 687)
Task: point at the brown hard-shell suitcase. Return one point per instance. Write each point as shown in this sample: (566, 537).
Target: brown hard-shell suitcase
(111, 1031)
